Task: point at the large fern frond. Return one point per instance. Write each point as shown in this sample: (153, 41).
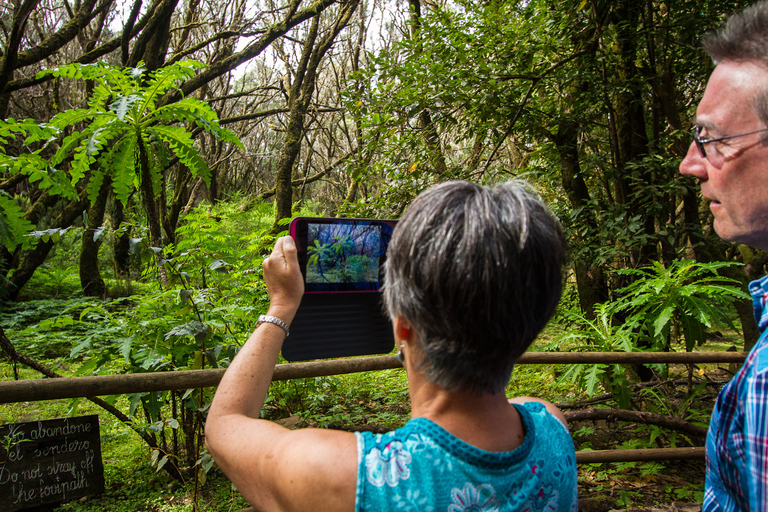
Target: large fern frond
(182, 145)
(167, 77)
(121, 160)
(30, 128)
(13, 225)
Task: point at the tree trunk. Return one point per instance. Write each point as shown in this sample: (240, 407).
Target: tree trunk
(148, 196)
(180, 196)
(298, 101)
(632, 137)
(122, 244)
(151, 46)
(11, 50)
(92, 283)
(590, 278)
(431, 136)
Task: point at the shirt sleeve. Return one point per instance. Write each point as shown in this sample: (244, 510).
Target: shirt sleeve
(755, 434)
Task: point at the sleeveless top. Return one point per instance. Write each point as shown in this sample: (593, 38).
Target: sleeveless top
(422, 467)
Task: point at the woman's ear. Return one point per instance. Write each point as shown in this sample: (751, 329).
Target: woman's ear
(404, 331)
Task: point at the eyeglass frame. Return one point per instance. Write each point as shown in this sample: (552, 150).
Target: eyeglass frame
(700, 142)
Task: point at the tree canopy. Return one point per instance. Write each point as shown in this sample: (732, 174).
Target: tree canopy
(352, 108)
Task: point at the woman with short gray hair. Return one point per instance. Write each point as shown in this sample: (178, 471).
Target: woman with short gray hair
(473, 274)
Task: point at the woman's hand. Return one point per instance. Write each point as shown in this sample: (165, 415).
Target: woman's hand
(284, 282)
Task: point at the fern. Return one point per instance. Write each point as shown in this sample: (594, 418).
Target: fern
(687, 294)
(182, 145)
(13, 225)
(166, 77)
(122, 156)
(121, 111)
(94, 186)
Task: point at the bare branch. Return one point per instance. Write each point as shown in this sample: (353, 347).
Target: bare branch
(229, 63)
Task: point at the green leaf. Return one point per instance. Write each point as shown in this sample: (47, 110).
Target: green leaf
(184, 295)
(663, 318)
(593, 379)
(98, 232)
(94, 187)
(123, 103)
(13, 225)
(220, 266)
(125, 345)
(123, 170)
(135, 401)
(181, 144)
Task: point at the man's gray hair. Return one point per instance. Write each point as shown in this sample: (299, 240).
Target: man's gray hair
(478, 272)
(743, 37)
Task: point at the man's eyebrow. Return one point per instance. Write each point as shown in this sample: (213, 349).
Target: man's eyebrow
(708, 125)
(703, 123)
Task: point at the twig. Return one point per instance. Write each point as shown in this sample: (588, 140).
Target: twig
(15, 356)
(648, 418)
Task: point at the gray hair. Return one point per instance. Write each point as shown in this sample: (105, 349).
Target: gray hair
(478, 272)
(744, 37)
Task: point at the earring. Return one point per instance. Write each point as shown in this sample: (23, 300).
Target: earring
(400, 356)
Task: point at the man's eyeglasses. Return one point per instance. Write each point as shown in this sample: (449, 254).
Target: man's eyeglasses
(700, 142)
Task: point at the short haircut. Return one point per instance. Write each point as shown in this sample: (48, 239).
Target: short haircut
(478, 272)
(743, 37)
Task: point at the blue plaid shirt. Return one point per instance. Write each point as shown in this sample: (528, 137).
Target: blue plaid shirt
(737, 442)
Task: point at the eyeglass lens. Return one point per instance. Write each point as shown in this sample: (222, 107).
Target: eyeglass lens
(698, 141)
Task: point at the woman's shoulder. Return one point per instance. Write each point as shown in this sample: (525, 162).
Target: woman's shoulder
(541, 407)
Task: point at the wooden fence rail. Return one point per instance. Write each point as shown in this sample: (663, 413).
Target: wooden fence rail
(30, 390)
(73, 387)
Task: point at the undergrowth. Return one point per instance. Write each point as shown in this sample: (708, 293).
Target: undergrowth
(201, 320)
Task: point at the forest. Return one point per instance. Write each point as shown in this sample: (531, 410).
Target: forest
(151, 151)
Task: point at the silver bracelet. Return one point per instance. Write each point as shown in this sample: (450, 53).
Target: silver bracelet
(273, 320)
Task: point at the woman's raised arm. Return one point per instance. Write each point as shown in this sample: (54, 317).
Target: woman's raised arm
(275, 468)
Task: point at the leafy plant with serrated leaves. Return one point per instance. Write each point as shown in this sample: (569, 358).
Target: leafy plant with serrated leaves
(682, 300)
(661, 306)
(127, 136)
(30, 162)
(598, 335)
(198, 321)
(13, 225)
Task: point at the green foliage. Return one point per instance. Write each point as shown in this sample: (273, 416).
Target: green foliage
(30, 160)
(374, 400)
(31, 163)
(598, 335)
(198, 321)
(661, 305)
(123, 116)
(121, 124)
(686, 297)
(13, 225)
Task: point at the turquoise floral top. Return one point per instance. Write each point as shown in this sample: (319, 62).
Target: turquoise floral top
(422, 467)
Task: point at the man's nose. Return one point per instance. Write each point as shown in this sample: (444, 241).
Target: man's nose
(694, 164)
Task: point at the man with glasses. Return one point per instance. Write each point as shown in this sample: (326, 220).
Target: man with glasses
(729, 156)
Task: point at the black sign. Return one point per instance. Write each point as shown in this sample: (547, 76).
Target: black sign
(50, 461)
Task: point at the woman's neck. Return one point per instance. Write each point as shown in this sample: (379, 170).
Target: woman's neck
(485, 421)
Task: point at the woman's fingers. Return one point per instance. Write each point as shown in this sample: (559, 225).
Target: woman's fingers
(283, 277)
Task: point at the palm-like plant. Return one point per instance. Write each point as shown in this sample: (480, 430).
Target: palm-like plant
(662, 305)
(318, 254)
(127, 137)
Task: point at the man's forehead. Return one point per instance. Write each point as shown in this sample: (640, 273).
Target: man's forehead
(728, 99)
